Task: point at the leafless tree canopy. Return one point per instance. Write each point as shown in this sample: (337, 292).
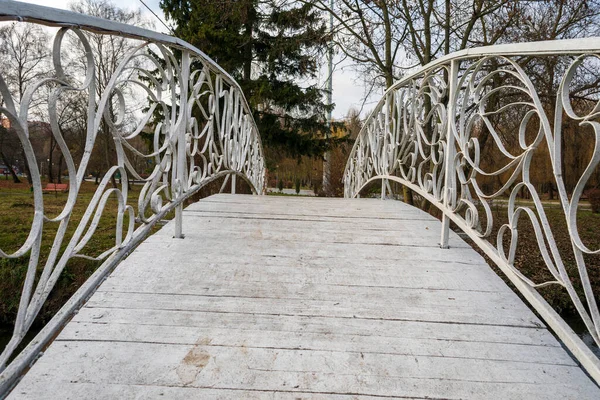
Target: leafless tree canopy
(385, 38)
(25, 58)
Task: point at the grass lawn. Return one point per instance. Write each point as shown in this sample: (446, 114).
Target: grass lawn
(16, 215)
(529, 260)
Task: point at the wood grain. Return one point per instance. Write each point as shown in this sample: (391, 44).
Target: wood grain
(304, 298)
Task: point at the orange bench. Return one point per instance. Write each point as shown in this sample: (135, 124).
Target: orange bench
(56, 187)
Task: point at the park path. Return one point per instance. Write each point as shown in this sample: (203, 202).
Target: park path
(281, 297)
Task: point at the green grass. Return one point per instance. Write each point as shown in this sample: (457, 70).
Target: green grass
(16, 215)
(529, 261)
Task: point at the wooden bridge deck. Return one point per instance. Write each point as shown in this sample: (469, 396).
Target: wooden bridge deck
(297, 298)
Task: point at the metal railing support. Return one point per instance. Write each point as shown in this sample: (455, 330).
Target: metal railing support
(433, 134)
(449, 171)
(233, 183)
(184, 158)
(180, 175)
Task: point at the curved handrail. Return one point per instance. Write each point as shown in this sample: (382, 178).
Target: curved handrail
(200, 129)
(25, 12)
(540, 48)
(429, 133)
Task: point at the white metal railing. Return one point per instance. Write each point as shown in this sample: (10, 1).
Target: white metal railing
(427, 131)
(201, 130)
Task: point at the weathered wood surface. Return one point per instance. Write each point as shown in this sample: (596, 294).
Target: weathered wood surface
(297, 298)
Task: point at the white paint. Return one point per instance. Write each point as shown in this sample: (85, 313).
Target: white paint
(438, 157)
(345, 79)
(192, 146)
(251, 307)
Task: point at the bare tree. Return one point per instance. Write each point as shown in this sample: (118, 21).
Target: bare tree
(24, 56)
(563, 19)
(71, 113)
(109, 51)
(370, 33)
(384, 38)
(9, 146)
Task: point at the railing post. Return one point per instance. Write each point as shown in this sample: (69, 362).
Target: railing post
(449, 188)
(181, 141)
(383, 189)
(233, 183)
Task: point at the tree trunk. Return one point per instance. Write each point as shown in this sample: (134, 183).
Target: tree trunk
(50, 152)
(407, 194)
(563, 157)
(27, 170)
(447, 32)
(248, 25)
(106, 138)
(15, 178)
(59, 171)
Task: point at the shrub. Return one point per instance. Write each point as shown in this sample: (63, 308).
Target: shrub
(297, 186)
(594, 198)
(280, 185)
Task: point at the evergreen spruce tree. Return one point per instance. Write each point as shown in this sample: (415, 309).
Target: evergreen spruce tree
(268, 46)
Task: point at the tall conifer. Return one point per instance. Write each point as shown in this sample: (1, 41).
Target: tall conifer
(271, 48)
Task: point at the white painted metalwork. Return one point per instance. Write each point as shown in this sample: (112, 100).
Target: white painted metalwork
(201, 128)
(425, 132)
(313, 293)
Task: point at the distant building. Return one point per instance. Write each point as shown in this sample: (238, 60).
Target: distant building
(5, 122)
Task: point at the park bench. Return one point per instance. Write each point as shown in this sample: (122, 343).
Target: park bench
(56, 187)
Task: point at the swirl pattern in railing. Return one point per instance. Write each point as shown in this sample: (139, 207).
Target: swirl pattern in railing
(200, 129)
(475, 117)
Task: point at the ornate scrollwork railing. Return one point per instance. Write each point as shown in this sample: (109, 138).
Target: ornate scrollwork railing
(197, 122)
(476, 119)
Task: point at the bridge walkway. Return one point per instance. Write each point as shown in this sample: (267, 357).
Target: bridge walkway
(294, 298)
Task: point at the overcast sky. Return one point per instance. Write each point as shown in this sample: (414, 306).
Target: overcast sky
(347, 89)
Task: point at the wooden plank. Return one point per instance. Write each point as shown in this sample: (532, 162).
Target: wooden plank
(416, 233)
(310, 215)
(111, 391)
(336, 251)
(310, 371)
(410, 274)
(278, 297)
(419, 306)
(268, 338)
(321, 325)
